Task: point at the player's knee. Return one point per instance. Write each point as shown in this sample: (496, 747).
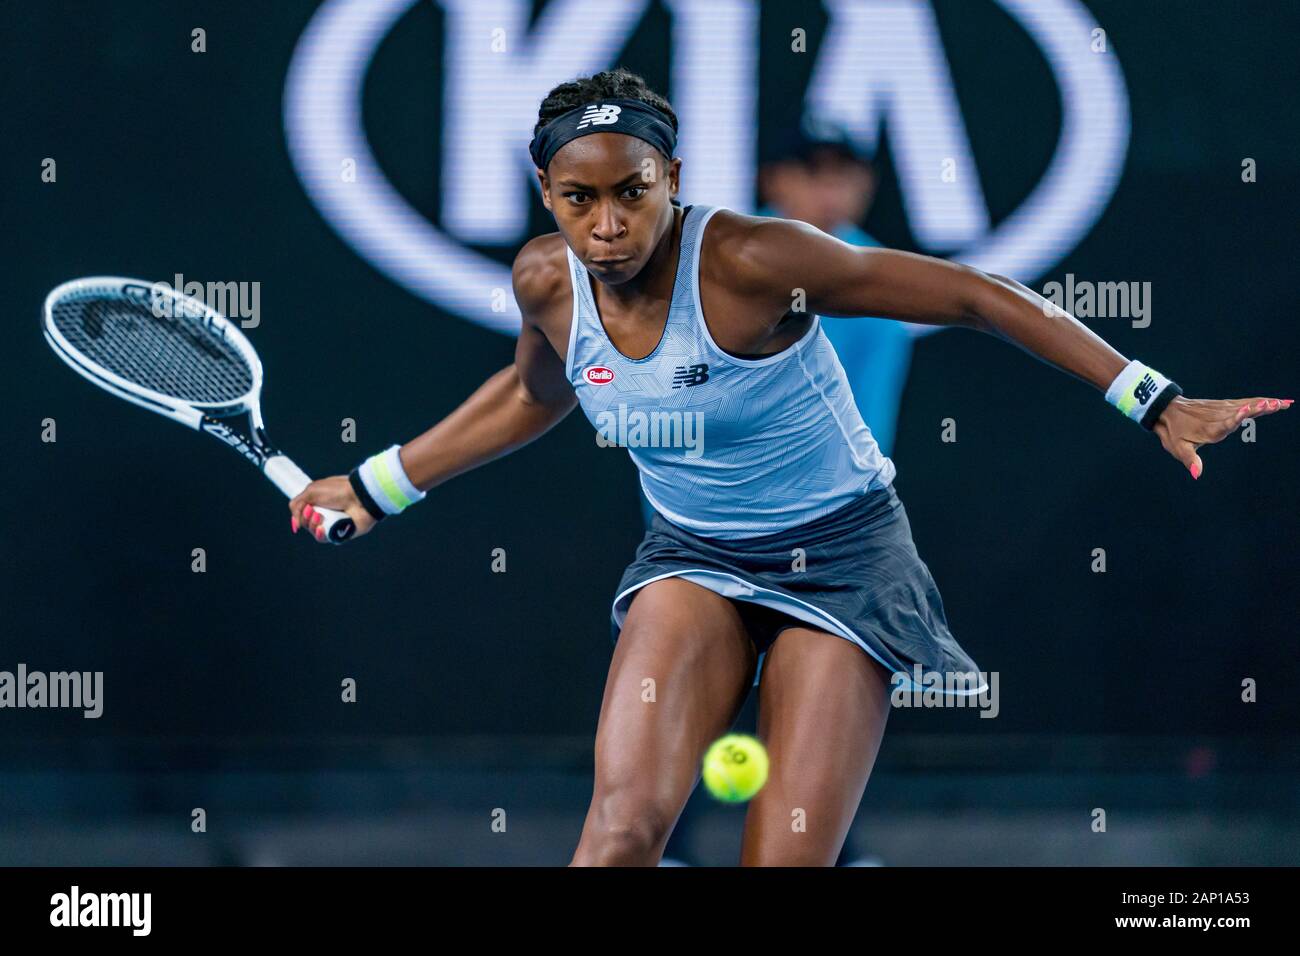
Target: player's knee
(629, 827)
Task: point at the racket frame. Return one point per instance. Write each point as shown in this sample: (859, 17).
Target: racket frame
(200, 416)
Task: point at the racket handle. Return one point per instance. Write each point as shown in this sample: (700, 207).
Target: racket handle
(291, 480)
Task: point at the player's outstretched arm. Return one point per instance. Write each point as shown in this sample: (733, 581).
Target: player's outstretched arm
(512, 408)
(843, 280)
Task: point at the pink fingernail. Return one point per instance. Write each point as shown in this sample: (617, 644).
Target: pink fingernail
(1274, 403)
(320, 535)
(1260, 406)
(1243, 409)
(307, 512)
(293, 523)
(1196, 471)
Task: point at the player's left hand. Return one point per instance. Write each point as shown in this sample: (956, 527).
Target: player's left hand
(1188, 423)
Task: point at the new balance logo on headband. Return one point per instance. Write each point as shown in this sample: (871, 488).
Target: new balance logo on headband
(600, 116)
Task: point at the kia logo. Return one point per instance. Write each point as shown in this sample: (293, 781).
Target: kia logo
(880, 65)
(599, 375)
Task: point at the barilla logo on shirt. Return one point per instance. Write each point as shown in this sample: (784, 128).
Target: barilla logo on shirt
(598, 375)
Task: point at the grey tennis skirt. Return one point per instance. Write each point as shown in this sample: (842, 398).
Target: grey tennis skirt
(854, 573)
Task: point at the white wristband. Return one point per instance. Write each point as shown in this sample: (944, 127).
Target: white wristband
(387, 483)
(1141, 393)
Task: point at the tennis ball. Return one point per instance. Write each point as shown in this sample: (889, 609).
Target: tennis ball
(735, 768)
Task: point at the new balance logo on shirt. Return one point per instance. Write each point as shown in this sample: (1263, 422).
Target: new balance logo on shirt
(690, 375)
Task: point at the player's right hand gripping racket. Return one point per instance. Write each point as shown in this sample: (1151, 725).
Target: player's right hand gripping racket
(170, 353)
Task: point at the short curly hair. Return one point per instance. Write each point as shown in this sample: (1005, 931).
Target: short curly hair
(608, 84)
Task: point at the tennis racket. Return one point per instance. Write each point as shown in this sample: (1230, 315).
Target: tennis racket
(170, 353)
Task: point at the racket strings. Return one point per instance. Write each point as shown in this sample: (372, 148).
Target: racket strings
(176, 356)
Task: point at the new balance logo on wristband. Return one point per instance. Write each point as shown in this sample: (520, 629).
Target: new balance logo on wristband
(690, 375)
(1142, 393)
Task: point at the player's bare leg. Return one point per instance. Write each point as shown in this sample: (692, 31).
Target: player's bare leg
(692, 644)
(822, 708)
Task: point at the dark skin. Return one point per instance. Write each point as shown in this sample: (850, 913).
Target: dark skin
(823, 701)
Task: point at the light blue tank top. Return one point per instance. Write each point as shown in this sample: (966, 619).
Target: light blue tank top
(726, 447)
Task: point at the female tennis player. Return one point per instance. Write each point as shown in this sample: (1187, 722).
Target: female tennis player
(691, 336)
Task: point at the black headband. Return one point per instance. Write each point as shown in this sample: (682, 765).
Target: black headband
(631, 117)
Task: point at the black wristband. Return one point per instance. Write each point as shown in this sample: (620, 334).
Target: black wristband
(1152, 414)
(367, 502)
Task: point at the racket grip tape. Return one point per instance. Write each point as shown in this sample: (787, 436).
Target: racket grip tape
(291, 480)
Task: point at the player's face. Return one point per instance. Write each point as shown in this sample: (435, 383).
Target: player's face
(611, 195)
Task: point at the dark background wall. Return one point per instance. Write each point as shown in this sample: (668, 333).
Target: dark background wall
(173, 162)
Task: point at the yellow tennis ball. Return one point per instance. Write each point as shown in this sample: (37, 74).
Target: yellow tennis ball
(735, 768)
